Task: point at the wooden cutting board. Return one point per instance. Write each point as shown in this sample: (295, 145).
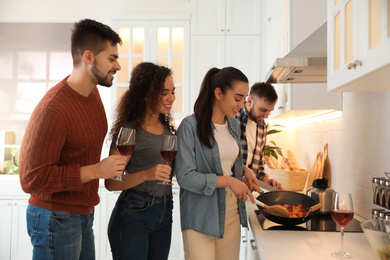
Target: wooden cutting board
(312, 173)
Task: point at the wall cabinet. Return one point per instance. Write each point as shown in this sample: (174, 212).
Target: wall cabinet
(15, 243)
(285, 24)
(298, 101)
(220, 17)
(358, 45)
(224, 33)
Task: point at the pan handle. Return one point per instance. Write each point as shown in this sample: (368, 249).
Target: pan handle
(257, 188)
(315, 207)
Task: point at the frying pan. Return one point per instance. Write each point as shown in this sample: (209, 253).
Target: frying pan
(287, 197)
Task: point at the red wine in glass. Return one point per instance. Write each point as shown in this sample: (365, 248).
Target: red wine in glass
(341, 216)
(168, 155)
(125, 149)
(168, 151)
(125, 144)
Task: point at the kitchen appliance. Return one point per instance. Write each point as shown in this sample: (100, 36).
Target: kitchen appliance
(323, 194)
(316, 223)
(306, 63)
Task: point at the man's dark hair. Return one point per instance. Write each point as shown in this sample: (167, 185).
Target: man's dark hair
(264, 90)
(91, 35)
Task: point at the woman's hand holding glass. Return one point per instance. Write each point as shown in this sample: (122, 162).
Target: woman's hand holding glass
(168, 151)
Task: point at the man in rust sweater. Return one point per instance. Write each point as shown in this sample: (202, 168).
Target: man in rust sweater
(60, 154)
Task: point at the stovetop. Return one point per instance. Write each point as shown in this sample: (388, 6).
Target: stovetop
(316, 223)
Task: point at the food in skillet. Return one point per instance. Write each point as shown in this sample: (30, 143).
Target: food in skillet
(295, 211)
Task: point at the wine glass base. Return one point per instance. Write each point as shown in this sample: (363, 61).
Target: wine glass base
(164, 183)
(342, 255)
(118, 178)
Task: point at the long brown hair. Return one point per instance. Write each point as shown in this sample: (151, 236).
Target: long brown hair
(146, 85)
(203, 108)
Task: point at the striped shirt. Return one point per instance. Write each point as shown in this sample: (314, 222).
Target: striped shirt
(257, 164)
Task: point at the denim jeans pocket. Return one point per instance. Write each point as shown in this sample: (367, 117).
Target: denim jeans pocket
(32, 226)
(136, 202)
(63, 217)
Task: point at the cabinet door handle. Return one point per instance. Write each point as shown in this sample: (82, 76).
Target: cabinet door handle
(244, 239)
(253, 247)
(228, 30)
(354, 64)
(357, 63)
(222, 30)
(280, 107)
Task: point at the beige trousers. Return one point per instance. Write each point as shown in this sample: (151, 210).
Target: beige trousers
(198, 246)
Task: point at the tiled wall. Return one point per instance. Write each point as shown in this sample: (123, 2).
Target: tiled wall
(359, 145)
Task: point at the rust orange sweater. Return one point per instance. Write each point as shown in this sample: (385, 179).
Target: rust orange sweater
(65, 131)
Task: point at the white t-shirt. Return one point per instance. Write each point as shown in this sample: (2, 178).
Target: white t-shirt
(228, 148)
(251, 127)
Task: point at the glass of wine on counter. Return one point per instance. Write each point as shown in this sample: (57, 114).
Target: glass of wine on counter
(342, 214)
(168, 152)
(125, 144)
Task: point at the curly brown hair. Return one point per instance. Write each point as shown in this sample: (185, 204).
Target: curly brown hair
(146, 85)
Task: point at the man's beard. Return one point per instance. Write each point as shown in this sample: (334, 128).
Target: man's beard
(252, 116)
(102, 80)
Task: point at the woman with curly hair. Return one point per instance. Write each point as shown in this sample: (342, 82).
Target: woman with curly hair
(141, 221)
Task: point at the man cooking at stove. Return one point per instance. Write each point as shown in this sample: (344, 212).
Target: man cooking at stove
(260, 102)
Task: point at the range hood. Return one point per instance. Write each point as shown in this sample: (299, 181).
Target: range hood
(306, 63)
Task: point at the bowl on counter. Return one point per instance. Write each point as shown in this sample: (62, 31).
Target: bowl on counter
(377, 232)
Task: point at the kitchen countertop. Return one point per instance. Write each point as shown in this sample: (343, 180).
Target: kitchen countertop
(300, 245)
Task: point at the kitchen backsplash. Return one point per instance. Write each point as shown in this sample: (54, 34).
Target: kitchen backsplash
(359, 145)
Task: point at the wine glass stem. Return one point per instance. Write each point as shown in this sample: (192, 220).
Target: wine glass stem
(342, 239)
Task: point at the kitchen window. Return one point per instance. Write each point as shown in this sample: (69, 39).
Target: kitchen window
(34, 57)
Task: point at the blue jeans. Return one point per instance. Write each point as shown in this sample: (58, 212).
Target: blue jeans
(58, 235)
(140, 226)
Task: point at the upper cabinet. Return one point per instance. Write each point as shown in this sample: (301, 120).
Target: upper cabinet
(287, 23)
(224, 33)
(219, 17)
(358, 45)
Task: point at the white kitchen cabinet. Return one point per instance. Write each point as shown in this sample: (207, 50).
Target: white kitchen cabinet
(220, 17)
(298, 101)
(243, 245)
(252, 252)
(177, 249)
(15, 243)
(102, 217)
(285, 24)
(358, 45)
(207, 51)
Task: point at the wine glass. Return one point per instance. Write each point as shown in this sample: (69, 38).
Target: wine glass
(342, 214)
(168, 151)
(125, 144)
